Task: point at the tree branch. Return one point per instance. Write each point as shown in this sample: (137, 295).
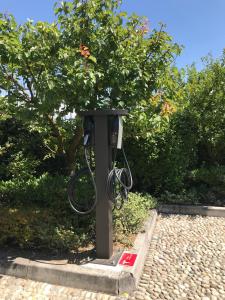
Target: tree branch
(75, 140)
(30, 89)
(56, 133)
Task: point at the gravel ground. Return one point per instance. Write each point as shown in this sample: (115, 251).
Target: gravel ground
(186, 260)
(12, 288)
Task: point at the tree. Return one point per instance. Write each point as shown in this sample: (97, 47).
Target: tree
(205, 92)
(93, 56)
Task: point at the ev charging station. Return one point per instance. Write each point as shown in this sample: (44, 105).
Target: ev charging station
(103, 132)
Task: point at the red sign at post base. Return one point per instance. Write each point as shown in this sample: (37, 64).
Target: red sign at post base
(127, 259)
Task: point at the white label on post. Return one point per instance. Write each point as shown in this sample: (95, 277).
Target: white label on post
(120, 133)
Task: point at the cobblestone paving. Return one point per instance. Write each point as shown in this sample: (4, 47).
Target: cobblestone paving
(186, 260)
(12, 288)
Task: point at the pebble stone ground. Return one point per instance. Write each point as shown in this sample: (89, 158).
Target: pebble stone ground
(186, 260)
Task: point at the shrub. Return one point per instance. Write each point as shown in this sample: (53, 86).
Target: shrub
(162, 162)
(130, 218)
(59, 229)
(185, 197)
(21, 151)
(209, 181)
(205, 94)
(213, 176)
(40, 228)
(21, 167)
(46, 190)
(206, 185)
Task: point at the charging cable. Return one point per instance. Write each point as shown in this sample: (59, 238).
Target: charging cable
(119, 182)
(71, 189)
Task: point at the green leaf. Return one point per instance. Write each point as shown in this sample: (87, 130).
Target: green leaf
(51, 84)
(92, 58)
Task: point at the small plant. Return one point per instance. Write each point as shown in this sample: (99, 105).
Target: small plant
(130, 218)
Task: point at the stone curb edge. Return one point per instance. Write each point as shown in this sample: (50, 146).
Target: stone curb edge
(97, 280)
(128, 282)
(210, 211)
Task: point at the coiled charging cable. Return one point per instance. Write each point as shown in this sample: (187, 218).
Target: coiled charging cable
(71, 189)
(119, 183)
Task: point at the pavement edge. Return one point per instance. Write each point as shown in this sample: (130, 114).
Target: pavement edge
(209, 211)
(128, 280)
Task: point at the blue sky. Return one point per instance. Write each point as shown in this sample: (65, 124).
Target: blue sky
(199, 25)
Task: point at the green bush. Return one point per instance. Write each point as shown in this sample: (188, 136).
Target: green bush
(21, 167)
(21, 151)
(206, 185)
(205, 94)
(209, 182)
(130, 218)
(213, 176)
(29, 227)
(46, 190)
(162, 162)
(185, 197)
(52, 228)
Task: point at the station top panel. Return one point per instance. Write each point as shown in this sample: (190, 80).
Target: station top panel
(104, 112)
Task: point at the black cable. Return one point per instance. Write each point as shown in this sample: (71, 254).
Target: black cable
(71, 186)
(119, 183)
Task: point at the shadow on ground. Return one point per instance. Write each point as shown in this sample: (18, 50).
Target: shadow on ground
(9, 255)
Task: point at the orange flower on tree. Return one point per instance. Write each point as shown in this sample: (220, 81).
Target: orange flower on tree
(84, 51)
(167, 109)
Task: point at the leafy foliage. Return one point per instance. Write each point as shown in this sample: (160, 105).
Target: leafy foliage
(21, 151)
(131, 216)
(53, 226)
(153, 131)
(96, 56)
(184, 197)
(186, 135)
(45, 191)
(30, 227)
(205, 92)
(93, 56)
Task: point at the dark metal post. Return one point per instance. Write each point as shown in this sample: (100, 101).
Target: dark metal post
(104, 239)
(103, 164)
